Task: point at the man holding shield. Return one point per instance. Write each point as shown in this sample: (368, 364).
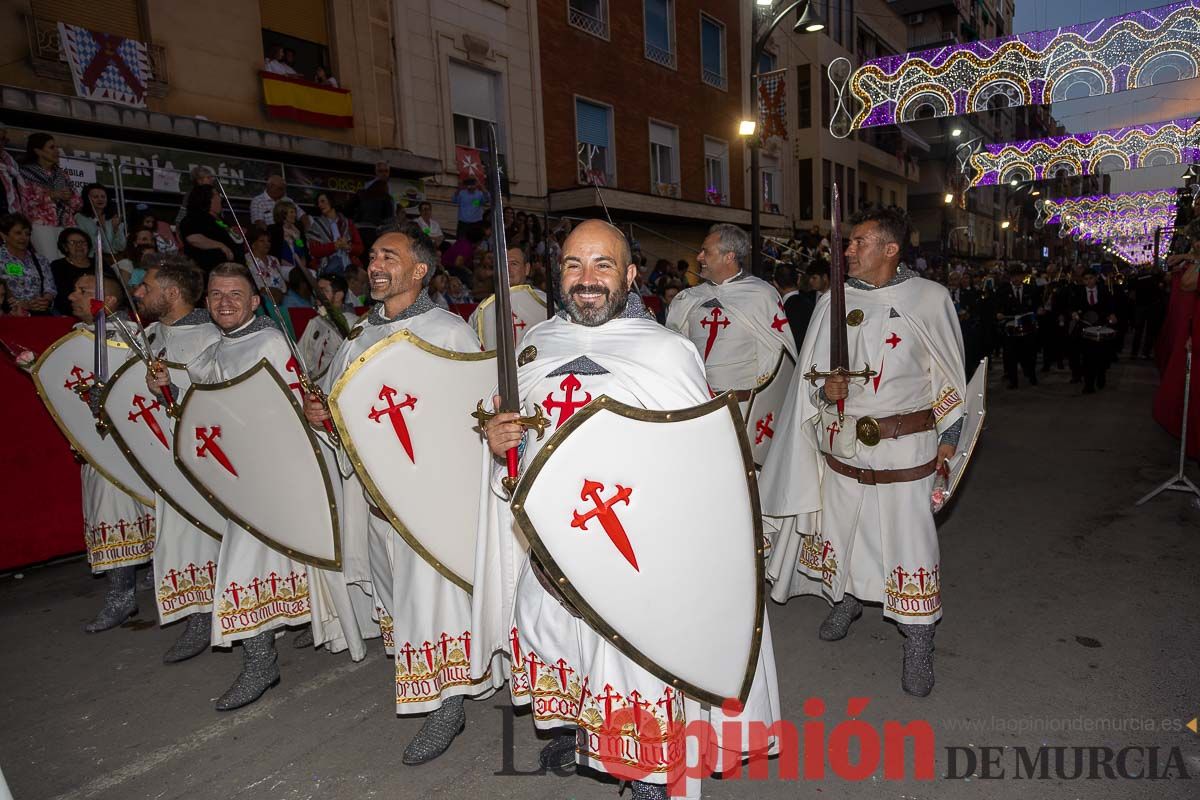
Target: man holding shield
(865, 450)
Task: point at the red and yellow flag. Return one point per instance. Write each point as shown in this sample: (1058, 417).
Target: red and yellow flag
(303, 101)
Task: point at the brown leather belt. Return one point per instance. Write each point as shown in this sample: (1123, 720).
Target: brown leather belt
(873, 477)
(742, 395)
(375, 512)
(551, 588)
(872, 430)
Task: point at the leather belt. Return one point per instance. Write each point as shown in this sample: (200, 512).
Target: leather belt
(375, 512)
(871, 430)
(742, 395)
(874, 477)
(548, 584)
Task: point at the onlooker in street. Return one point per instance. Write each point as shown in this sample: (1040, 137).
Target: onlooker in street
(272, 272)
(48, 199)
(201, 176)
(459, 295)
(31, 287)
(439, 286)
(333, 290)
(73, 244)
(100, 220)
(130, 261)
(164, 238)
(299, 293)
(471, 201)
(429, 226)
(373, 205)
(262, 207)
(333, 240)
(287, 239)
(797, 305)
(207, 240)
(358, 286)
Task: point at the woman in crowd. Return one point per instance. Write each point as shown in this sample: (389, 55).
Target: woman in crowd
(287, 239)
(207, 240)
(47, 196)
(439, 285)
(98, 218)
(31, 287)
(164, 238)
(274, 272)
(333, 240)
(323, 78)
(130, 263)
(73, 243)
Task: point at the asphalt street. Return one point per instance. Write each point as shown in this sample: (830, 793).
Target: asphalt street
(1070, 622)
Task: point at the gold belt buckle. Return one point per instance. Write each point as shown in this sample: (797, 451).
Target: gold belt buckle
(867, 431)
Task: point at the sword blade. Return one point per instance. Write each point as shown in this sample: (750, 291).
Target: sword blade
(506, 356)
(839, 356)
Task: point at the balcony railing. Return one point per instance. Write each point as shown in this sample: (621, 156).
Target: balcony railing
(49, 61)
(716, 79)
(660, 55)
(665, 189)
(587, 23)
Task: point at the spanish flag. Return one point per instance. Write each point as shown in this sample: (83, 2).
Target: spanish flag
(303, 101)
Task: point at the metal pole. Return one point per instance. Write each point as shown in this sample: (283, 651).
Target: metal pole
(1157, 239)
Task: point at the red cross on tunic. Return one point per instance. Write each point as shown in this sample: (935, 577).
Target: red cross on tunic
(235, 591)
(532, 664)
(834, 429)
(667, 703)
(893, 340)
(211, 569)
(518, 326)
(466, 643)
(408, 651)
(191, 570)
(778, 322)
(516, 646)
(568, 405)
(563, 671)
(273, 579)
(638, 703)
(428, 650)
(608, 698)
(444, 642)
(900, 576)
(714, 322)
(173, 576)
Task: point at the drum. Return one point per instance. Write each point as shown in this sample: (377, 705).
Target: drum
(1021, 325)
(1098, 333)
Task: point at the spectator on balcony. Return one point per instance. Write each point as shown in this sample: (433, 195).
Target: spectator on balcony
(74, 245)
(10, 177)
(288, 243)
(207, 240)
(276, 63)
(130, 263)
(201, 176)
(372, 205)
(48, 198)
(471, 201)
(99, 219)
(333, 239)
(323, 78)
(262, 207)
(429, 226)
(30, 280)
(164, 238)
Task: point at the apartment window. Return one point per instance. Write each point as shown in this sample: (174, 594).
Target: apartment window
(660, 32)
(766, 62)
(474, 105)
(826, 193)
(590, 16)
(804, 96)
(593, 136)
(664, 160)
(825, 99)
(837, 18)
(879, 197)
(806, 188)
(712, 52)
(893, 194)
(772, 183)
(862, 194)
(716, 171)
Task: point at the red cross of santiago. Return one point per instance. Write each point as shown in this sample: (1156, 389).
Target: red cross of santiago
(714, 322)
(207, 445)
(568, 405)
(604, 512)
(395, 412)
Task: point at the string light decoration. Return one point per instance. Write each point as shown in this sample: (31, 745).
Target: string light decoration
(1050, 212)
(1141, 48)
(1120, 225)
(1158, 144)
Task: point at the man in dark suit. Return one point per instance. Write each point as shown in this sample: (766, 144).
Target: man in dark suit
(1017, 304)
(797, 303)
(1093, 306)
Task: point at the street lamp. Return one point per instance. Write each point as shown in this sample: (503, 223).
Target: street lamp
(808, 22)
(949, 198)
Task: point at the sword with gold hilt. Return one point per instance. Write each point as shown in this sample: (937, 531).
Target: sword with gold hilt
(839, 348)
(307, 385)
(506, 356)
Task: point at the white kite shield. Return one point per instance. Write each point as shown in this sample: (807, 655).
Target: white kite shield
(402, 410)
(245, 446)
(317, 344)
(528, 309)
(648, 523)
(62, 371)
(766, 401)
(973, 417)
(143, 429)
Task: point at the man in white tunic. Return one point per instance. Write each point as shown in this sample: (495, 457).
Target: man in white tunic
(430, 617)
(279, 596)
(603, 342)
(185, 557)
(119, 530)
(736, 320)
(874, 538)
(528, 304)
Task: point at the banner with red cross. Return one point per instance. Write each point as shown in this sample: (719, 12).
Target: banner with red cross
(772, 104)
(105, 66)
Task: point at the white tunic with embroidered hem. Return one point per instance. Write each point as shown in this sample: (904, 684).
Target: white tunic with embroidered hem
(257, 588)
(567, 672)
(738, 327)
(878, 543)
(185, 557)
(426, 617)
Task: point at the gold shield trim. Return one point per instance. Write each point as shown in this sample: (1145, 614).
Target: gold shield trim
(35, 371)
(728, 400)
(491, 298)
(368, 483)
(755, 392)
(146, 474)
(334, 564)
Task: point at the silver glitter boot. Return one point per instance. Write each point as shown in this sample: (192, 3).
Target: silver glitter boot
(304, 638)
(119, 601)
(560, 752)
(648, 791)
(194, 640)
(917, 678)
(437, 733)
(841, 616)
(260, 671)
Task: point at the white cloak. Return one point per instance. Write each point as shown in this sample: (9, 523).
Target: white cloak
(878, 543)
(554, 655)
(528, 309)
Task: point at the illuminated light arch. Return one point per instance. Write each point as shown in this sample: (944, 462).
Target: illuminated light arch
(1180, 64)
(1094, 77)
(1006, 85)
(933, 97)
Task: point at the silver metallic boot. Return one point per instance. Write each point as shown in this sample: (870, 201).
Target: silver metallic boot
(197, 632)
(119, 601)
(560, 752)
(648, 791)
(439, 730)
(260, 671)
(841, 616)
(917, 677)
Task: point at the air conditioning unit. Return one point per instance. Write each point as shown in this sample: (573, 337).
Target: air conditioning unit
(915, 19)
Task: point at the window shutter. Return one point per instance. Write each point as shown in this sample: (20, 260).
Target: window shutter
(591, 123)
